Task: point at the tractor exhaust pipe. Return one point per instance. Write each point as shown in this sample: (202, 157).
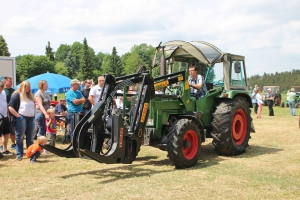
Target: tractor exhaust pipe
(163, 63)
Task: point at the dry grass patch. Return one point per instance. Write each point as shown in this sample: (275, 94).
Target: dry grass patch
(268, 170)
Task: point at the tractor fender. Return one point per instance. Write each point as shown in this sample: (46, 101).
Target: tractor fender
(196, 117)
(247, 97)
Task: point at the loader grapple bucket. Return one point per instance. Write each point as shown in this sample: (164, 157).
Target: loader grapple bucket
(125, 137)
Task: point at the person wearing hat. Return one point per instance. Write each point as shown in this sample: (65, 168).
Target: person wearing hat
(270, 99)
(291, 96)
(74, 101)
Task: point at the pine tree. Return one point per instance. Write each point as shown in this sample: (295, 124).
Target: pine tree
(86, 65)
(71, 64)
(3, 47)
(49, 52)
(115, 65)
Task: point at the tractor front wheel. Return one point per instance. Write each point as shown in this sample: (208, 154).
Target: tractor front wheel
(231, 126)
(184, 143)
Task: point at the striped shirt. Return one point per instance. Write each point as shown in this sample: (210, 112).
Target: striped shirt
(199, 79)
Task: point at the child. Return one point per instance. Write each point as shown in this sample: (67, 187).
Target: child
(34, 150)
(51, 127)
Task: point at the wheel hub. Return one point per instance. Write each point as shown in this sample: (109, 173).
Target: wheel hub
(239, 127)
(186, 144)
(190, 144)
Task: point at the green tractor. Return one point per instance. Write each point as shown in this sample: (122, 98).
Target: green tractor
(164, 114)
(297, 100)
(274, 90)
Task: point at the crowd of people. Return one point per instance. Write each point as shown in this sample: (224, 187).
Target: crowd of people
(22, 113)
(258, 101)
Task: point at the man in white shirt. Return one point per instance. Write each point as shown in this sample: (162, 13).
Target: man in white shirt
(96, 91)
(196, 82)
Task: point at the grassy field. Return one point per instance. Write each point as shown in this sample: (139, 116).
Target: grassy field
(270, 169)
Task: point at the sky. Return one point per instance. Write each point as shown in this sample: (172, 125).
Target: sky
(266, 32)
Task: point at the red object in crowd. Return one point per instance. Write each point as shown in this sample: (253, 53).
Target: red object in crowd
(53, 103)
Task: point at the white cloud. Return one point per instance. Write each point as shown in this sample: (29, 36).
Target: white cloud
(266, 32)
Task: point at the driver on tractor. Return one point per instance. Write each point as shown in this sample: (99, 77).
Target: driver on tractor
(196, 82)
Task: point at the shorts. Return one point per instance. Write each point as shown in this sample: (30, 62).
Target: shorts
(5, 126)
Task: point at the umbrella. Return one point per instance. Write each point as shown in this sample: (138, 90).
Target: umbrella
(56, 83)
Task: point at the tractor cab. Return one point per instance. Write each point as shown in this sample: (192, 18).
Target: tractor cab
(179, 55)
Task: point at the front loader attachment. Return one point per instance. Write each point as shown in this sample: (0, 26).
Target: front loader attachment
(69, 152)
(122, 130)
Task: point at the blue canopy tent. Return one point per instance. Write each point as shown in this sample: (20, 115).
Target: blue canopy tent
(56, 83)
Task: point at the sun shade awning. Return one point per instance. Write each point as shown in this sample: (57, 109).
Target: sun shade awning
(183, 51)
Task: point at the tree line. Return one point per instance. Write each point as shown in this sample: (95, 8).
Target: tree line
(80, 61)
(285, 80)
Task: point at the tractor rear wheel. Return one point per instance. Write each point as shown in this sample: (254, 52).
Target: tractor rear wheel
(231, 126)
(184, 144)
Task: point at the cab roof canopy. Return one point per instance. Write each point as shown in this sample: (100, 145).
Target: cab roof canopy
(182, 51)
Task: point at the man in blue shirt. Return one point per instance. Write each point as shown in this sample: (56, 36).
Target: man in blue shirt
(74, 100)
(60, 108)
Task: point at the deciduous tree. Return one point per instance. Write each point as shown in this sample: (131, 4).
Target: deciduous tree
(31, 65)
(60, 68)
(62, 52)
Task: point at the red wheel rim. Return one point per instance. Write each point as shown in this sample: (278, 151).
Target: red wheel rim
(190, 137)
(239, 127)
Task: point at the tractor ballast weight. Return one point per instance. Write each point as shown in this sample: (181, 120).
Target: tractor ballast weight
(163, 113)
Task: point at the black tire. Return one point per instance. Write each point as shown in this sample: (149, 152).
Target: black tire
(287, 105)
(184, 144)
(231, 127)
(282, 104)
(276, 101)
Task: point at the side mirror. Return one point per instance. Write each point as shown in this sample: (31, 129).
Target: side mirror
(237, 67)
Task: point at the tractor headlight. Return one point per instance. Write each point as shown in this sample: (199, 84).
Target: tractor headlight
(150, 121)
